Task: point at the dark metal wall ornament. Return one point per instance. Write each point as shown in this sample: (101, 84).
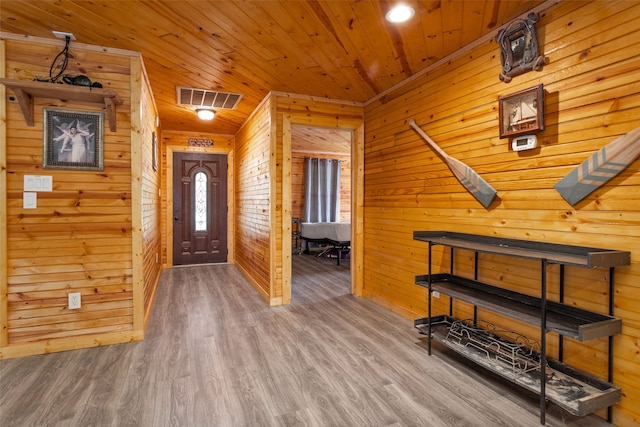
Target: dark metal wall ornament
(519, 48)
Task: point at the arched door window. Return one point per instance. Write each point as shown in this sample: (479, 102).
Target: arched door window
(201, 202)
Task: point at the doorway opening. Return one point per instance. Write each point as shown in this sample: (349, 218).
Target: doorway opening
(318, 261)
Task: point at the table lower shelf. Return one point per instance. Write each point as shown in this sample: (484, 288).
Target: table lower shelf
(563, 319)
(574, 391)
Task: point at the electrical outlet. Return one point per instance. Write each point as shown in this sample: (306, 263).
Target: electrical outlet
(435, 294)
(75, 300)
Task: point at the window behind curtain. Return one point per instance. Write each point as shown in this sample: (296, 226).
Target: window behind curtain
(321, 190)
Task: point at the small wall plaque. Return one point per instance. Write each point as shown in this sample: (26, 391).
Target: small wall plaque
(200, 142)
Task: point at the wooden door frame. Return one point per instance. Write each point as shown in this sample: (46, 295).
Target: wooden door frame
(169, 150)
(357, 202)
(4, 263)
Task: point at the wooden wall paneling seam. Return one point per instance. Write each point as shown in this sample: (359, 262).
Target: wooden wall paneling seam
(168, 211)
(286, 208)
(275, 231)
(231, 207)
(357, 210)
(4, 330)
(136, 196)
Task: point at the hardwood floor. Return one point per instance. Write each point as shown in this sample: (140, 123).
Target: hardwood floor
(216, 355)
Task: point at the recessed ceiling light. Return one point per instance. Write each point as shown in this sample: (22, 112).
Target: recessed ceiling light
(205, 113)
(400, 13)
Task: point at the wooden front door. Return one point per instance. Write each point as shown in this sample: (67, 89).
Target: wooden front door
(199, 208)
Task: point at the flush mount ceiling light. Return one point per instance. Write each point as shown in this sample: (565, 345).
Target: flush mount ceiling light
(205, 113)
(400, 13)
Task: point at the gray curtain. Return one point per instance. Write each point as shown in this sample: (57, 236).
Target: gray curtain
(321, 190)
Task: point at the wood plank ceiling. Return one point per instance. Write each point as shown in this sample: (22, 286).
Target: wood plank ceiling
(327, 48)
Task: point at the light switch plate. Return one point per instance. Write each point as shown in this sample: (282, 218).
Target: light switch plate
(29, 200)
(38, 183)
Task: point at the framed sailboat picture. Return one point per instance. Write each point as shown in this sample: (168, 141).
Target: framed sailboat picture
(522, 112)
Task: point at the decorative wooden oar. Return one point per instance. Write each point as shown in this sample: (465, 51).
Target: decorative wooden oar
(598, 169)
(477, 186)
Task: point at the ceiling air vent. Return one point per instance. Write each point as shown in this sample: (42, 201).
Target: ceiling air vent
(208, 98)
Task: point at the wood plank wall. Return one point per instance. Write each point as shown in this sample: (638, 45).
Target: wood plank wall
(150, 195)
(297, 183)
(253, 199)
(592, 96)
(79, 238)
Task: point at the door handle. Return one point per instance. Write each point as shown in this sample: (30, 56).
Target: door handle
(176, 213)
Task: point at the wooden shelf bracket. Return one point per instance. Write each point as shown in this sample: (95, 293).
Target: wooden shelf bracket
(27, 90)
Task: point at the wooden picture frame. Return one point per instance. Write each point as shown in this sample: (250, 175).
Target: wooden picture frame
(522, 113)
(73, 140)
